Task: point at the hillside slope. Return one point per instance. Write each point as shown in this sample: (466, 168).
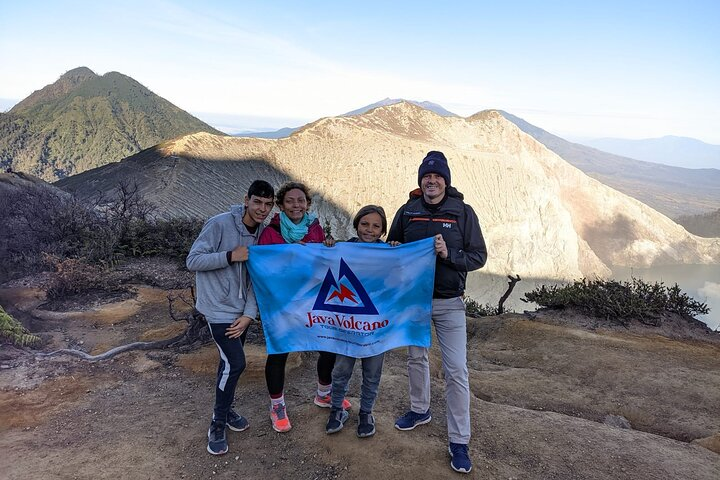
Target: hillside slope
(672, 191)
(541, 216)
(84, 120)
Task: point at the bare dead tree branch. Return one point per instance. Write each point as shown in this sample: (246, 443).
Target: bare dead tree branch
(511, 285)
(196, 333)
(157, 345)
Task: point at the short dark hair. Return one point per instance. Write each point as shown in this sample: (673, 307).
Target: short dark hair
(261, 188)
(286, 187)
(368, 209)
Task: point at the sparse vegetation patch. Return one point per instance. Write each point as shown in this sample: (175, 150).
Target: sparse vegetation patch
(13, 331)
(619, 302)
(44, 227)
(473, 308)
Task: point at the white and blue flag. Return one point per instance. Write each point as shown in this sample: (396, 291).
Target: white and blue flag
(357, 299)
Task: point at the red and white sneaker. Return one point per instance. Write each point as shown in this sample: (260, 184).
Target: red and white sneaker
(326, 402)
(280, 420)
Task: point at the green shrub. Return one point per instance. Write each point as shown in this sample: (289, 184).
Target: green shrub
(18, 335)
(618, 302)
(475, 309)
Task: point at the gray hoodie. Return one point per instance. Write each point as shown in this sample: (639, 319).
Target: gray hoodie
(224, 292)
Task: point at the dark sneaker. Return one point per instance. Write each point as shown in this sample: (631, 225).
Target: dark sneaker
(411, 420)
(460, 461)
(336, 421)
(217, 441)
(236, 422)
(366, 425)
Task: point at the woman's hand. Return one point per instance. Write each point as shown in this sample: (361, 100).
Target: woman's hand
(329, 241)
(394, 243)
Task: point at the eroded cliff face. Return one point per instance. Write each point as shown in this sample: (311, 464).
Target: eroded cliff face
(541, 217)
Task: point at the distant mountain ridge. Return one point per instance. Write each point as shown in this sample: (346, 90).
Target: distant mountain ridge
(84, 120)
(669, 150)
(433, 107)
(286, 132)
(281, 133)
(673, 191)
(542, 217)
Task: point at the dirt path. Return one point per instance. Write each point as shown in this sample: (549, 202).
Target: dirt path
(540, 392)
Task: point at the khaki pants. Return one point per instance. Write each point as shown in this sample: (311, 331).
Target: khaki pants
(448, 315)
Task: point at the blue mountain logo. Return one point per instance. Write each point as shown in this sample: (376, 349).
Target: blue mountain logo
(334, 294)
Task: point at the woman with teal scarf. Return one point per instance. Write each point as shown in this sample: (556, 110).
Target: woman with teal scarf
(295, 225)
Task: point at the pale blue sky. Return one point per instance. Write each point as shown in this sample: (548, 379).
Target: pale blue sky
(578, 69)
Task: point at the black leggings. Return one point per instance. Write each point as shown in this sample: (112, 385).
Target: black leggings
(275, 371)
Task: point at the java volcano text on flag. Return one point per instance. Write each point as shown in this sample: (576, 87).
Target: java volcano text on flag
(357, 299)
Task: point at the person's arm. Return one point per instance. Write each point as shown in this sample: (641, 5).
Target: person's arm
(251, 308)
(473, 255)
(204, 254)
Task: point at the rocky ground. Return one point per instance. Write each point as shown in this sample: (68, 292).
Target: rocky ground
(542, 387)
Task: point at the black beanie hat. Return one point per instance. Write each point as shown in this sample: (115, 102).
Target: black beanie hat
(434, 162)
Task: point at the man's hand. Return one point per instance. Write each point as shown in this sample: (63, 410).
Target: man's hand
(240, 254)
(440, 247)
(329, 241)
(238, 327)
(394, 243)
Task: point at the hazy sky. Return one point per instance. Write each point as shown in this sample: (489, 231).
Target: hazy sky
(578, 69)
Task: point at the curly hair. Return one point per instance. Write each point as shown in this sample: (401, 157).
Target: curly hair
(286, 187)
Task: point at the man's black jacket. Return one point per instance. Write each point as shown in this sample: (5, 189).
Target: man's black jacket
(459, 226)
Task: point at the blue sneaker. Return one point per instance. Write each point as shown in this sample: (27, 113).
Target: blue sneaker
(236, 422)
(336, 421)
(217, 441)
(460, 461)
(411, 420)
(366, 425)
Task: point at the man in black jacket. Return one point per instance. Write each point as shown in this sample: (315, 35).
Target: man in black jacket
(437, 210)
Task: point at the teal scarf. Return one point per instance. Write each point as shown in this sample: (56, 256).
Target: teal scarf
(293, 233)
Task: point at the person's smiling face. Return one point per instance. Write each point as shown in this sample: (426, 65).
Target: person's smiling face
(370, 227)
(294, 205)
(433, 187)
(256, 210)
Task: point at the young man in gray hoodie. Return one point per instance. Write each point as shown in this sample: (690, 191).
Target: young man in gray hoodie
(226, 298)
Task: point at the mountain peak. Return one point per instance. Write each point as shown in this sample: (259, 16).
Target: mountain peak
(387, 101)
(77, 75)
(84, 120)
(61, 87)
(487, 114)
(401, 106)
